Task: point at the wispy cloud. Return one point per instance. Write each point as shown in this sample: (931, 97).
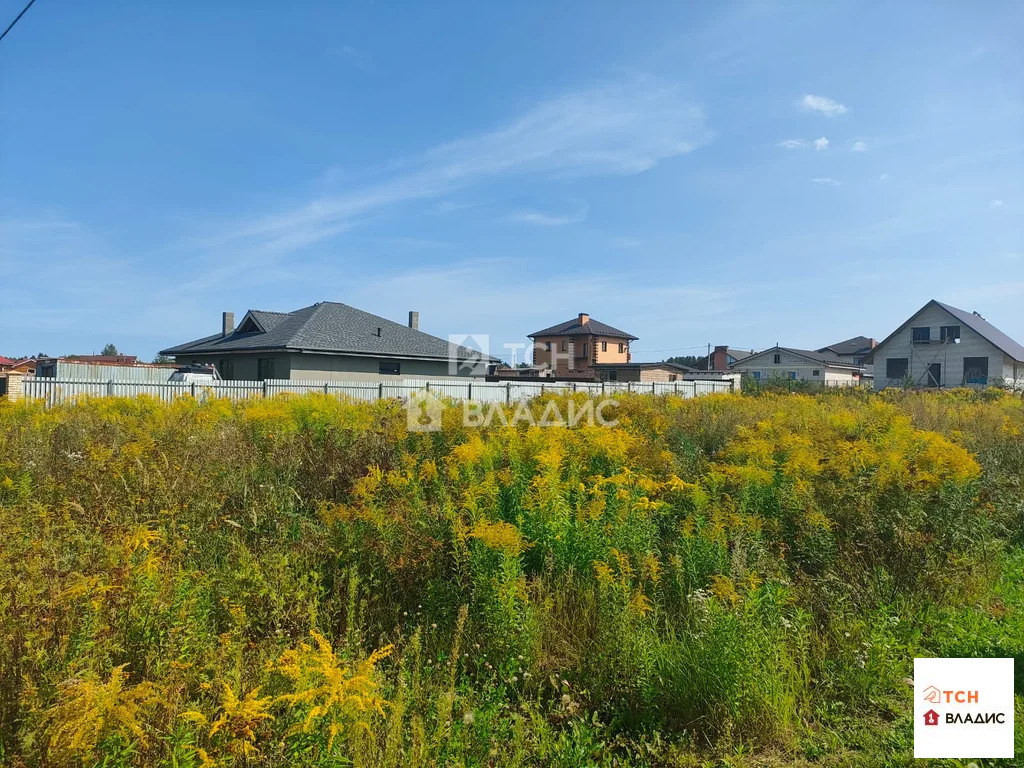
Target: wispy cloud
(546, 219)
(859, 146)
(792, 144)
(820, 144)
(884, 177)
(996, 204)
(827, 107)
(827, 180)
(613, 130)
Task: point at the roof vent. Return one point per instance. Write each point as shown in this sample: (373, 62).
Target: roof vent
(378, 331)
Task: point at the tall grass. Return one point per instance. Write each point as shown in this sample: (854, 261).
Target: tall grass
(301, 581)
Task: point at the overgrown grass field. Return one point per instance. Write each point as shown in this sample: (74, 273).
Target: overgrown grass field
(731, 580)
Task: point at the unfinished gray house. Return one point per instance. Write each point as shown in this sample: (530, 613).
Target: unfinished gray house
(942, 346)
(327, 341)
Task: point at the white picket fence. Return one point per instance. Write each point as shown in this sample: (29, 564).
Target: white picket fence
(54, 391)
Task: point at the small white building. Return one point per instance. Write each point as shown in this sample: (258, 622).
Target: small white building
(802, 365)
(942, 346)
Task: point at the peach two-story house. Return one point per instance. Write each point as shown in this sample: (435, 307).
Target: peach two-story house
(579, 344)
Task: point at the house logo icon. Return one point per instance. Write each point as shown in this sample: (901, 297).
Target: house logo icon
(931, 717)
(932, 695)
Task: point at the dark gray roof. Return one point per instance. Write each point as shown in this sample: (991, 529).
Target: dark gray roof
(974, 321)
(663, 364)
(591, 328)
(328, 326)
(827, 358)
(852, 346)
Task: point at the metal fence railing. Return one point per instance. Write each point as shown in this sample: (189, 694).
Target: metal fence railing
(54, 391)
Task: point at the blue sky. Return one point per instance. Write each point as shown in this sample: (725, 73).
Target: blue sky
(694, 173)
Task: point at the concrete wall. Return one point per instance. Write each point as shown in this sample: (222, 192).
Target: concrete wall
(949, 356)
(312, 367)
(245, 365)
(806, 370)
(345, 368)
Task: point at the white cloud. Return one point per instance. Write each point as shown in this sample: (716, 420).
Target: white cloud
(792, 144)
(859, 146)
(884, 177)
(827, 107)
(820, 144)
(825, 180)
(996, 204)
(544, 219)
(615, 130)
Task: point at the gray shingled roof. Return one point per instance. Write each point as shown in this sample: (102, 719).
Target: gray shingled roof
(591, 328)
(975, 322)
(849, 346)
(328, 327)
(821, 357)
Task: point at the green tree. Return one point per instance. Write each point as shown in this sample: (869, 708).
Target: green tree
(163, 359)
(110, 349)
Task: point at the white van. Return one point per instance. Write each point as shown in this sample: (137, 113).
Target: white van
(201, 374)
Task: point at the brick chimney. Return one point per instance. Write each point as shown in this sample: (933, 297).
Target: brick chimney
(414, 320)
(720, 358)
(227, 323)
(584, 318)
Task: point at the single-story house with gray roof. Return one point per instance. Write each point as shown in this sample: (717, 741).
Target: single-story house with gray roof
(327, 341)
(802, 365)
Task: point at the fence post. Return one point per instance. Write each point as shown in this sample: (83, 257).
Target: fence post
(192, 389)
(15, 389)
(508, 393)
(380, 391)
(428, 386)
(327, 391)
(264, 388)
(110, 388)
(653, 390)
(469, 391)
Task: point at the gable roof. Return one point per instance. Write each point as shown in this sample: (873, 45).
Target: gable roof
(328, 327)
(972, 320)
(6, 360)
(575, 328)
(849, 346)
(825, 358)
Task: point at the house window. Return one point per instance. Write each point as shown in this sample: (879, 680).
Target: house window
(389, 367)
(896, 367)
(792, 374)
(226, 368)
(815, 372)
(565, 345)
(776, 359)
(672, 377)
(604, 346)
(976, 370)
(613, 375)
(950, 333)
(757, 375)
(622, 348)
(585, 348)
(264, 368)
(547, 346)
(922, 334)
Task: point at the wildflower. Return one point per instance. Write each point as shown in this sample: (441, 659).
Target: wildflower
(468, 718)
